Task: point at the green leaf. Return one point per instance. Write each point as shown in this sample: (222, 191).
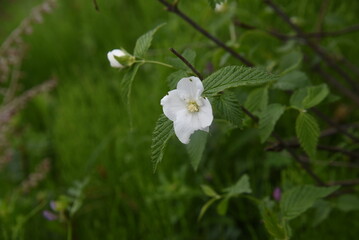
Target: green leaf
(268, 118)
(308, 97)
(195, 147)
(257, 100)
(174, 77)
(299, 199)
(188, 54)
(348, 203)
(315, 95)
(205, 207)
(213, 3)
(223, 206)
(162, 133)
(227, 107)
(322, 211)
(290, 62)
(143, 43)
(292, 81)
(307, 131)
(235, 76)
(209, 191)
(242, 186)
(272, 224)
(127, 80)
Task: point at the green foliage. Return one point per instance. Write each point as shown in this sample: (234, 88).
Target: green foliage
(241, 186)
(235, 76)
(257, 100)
(209, 191)
(309, 97)
(272, 224)
(189, 55)
(292, 81)
(213, 3)
(299, 199)
(195, 147)
(307, 131)
(268, 118)
(227, 107)
(127, 81)
(348, 203)
(143, 43)
(290, 61)
(174, 77)
(162, 133)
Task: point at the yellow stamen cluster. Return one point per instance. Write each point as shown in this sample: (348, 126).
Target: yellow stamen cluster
(192, 106)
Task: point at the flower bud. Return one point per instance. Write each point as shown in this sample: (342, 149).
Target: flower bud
(120, 58)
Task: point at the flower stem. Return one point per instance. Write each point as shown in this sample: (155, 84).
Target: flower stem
(156, 62)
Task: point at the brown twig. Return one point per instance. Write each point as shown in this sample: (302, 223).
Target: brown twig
(184, 60)
(349, 182)
(316, 48)
(174, 9)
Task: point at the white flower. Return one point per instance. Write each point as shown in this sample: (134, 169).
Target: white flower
(188, 110)
(221, 7)
(120, 58)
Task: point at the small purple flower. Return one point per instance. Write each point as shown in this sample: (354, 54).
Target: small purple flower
(277, 193)
(49, 215)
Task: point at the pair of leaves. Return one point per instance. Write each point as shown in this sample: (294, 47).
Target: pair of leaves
(309, 97)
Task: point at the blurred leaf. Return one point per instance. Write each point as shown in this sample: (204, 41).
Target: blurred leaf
(188, 54)
(290, 62)
(242, 186)
(292, 81)
(162, 133)
(322, 211)
(174, 77)
(348, 203)
(195, 147)
(257, 100)
(205, 207)
(127, 80)
(228, 108)
(299, 199)
(209, 191)
(143, 43)
(307, 131)
(235, 76)
(308, 97)
(268, 118)
(272, 224)
(315, 95)
(223, 206)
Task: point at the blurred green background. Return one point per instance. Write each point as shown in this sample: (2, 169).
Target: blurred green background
(83, 126)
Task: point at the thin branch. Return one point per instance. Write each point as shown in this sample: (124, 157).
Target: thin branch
(174, 9)
(333, 130)
(184, 60)
(332, 163)
(316, 48)
(349, 182)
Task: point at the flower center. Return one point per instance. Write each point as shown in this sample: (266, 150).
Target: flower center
(192, 106)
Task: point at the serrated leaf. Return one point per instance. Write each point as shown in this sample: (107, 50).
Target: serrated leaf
(205, 207)
(227, 107)
(272, 224)
(188, 54)
(209, 191)
(292, 81)
(308, 97)
(348, 203)
(322, 211)
(268, 118)
(307, 131)
(235, 76)
(143, 43)
(127, 80)
(242, 186)
(195, 147)
(162, 133)
(299, 199)
(174, 77)
(257, 100)
(213, 3)
(315, 95)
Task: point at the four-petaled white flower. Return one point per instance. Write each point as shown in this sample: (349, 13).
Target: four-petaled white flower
(188, 110)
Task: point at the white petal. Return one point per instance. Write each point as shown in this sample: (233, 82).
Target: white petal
(185, 124)
(205, 114)
(172, 104)
(111, 57)
(190, 88)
